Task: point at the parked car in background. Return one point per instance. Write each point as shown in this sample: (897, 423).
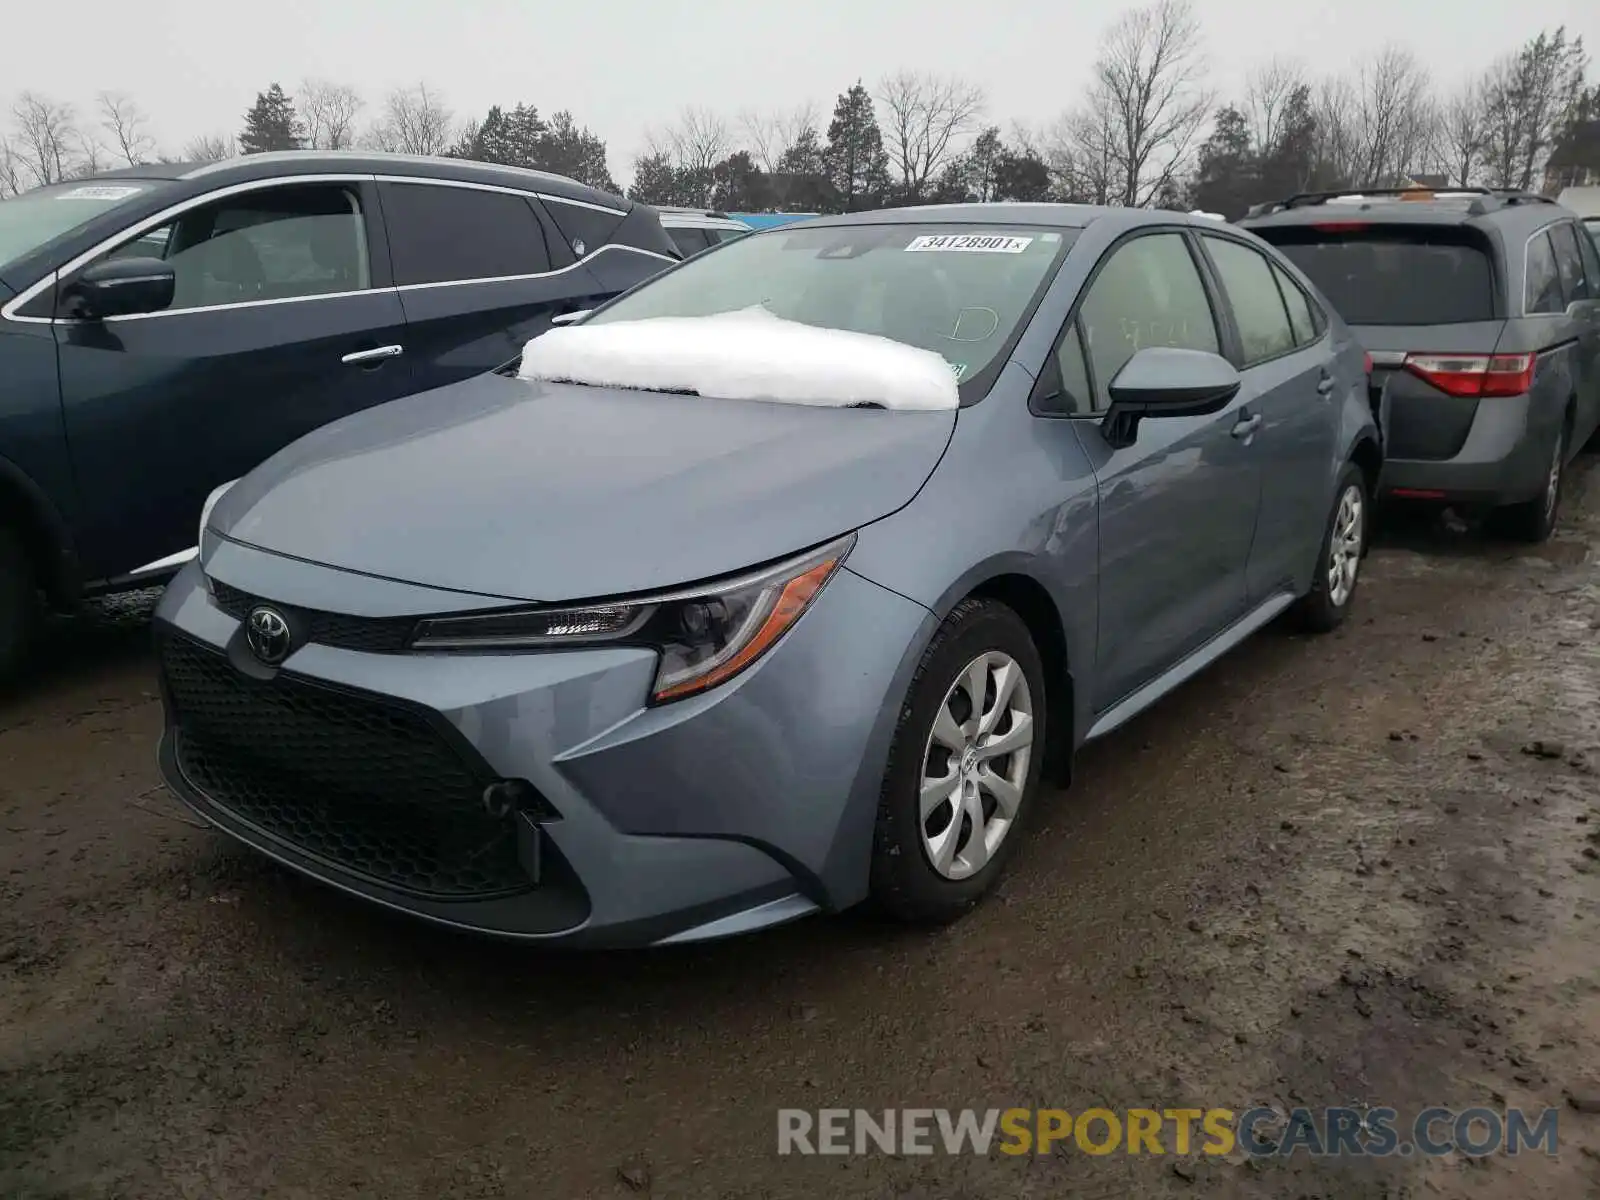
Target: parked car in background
(873, 518)
(1481, 313)
(767, 220)
(695, 229)
(165, 328)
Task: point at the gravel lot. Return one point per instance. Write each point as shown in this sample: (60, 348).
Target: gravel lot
(1329, 871)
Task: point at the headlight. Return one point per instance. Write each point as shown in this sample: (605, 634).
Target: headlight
(705, 635)
(205, 509)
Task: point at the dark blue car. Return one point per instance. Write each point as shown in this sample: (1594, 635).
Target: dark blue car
(165, 328)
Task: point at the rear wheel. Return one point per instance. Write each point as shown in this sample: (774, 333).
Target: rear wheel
(1344, 543)
(1535, 520)
(963, 767)
(19, 603)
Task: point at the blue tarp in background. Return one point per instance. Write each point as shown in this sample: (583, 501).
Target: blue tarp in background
(769, 220)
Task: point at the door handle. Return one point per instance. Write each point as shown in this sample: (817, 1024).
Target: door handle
(1326, 384)
(1246, 427)
(376, 355)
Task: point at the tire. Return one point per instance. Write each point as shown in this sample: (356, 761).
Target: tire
(907, 882)
(1533, 521)
(1344, 546)
(19, 604)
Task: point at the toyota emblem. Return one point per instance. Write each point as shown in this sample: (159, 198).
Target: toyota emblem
(267, 631)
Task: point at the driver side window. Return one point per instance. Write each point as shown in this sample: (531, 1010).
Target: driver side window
(1148, 293)
(275, 244)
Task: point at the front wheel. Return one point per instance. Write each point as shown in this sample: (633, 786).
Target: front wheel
(1333, 587)
(963, 767)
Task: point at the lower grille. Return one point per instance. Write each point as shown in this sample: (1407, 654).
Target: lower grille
(354, 780)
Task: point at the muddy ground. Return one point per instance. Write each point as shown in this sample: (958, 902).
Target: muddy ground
(1327, 872)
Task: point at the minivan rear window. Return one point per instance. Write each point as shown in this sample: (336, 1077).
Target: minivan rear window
(1406, 276)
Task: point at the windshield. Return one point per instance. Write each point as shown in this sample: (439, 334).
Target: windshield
(1403, 276)
(30, 220)
(958, 290)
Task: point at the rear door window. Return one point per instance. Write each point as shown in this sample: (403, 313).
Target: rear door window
(585, 228)
(1258, 307)
(1575, 283)
(1395, 276)
(1543, 289)
(443, 234)
(1299, 304)
(688, 241)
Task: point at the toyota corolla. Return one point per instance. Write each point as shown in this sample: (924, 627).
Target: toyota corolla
(788, 580)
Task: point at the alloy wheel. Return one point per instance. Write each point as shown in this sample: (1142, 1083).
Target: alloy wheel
(975, 765)
(1344, 546)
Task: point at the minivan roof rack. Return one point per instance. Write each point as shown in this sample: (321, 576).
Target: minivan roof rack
(1484, 199)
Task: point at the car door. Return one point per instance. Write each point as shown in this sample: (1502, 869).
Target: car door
(479, 274)
(282, 319)
(1289, 381)
(1580, 287)
(1178, 507)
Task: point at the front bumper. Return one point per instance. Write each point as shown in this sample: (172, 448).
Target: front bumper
(744, 807)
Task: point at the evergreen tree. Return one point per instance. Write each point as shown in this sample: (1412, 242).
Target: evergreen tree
(1227, 178)
(658, 180)
(857, 165)
(570, 150)
(1021, 175)
(800, 183)
(979, 163)
(738, 185)
(271, 124)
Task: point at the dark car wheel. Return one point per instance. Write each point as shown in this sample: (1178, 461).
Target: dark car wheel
(963, 767)
(1535, 520)
(19, 603)
(1333, 586)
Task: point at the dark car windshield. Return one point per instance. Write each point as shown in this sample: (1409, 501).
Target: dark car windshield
(30, 220)
(958, 290)
(1399, 276)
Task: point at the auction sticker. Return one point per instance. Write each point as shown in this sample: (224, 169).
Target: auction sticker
(100, 192)
(970, 243)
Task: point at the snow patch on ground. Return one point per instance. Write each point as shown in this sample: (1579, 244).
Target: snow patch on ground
(746, 355)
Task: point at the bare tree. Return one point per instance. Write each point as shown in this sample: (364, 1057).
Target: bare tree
(1148, 96)
(415, 121)
(771, 134)
(1337, 131)
(329, 111)
(925, 116)
(46, 137)
(12, 180)
(696, 141)
(91, 156)
(1394, 116)
(1461, 134)
(210, 147)
(1081, 150)
(126, 124)
(1526, 99)
(1268, 92)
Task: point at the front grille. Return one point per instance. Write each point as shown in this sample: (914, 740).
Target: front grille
(371, 635)
(352, 779)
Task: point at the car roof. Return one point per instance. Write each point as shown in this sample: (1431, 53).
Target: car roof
(1512, 210)
(277, 164)
(1007, 212)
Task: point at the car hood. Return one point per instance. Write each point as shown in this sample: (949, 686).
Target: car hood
(544, 491)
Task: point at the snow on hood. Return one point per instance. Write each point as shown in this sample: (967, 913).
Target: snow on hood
(746, 355)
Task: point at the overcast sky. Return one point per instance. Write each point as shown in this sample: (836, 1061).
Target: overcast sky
(620, 65)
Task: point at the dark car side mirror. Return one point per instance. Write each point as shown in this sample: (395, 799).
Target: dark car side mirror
(1164, 381)
(121, 287)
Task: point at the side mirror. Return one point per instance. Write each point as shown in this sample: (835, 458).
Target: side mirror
(1164, 381)
(571, 318)
(120, 287)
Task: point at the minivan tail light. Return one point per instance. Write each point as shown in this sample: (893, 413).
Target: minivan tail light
(1475, 375)
(1367, 359)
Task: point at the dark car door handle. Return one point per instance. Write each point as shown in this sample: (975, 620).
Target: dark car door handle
(1326, 384)
(1247, 426)
(374, 356)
